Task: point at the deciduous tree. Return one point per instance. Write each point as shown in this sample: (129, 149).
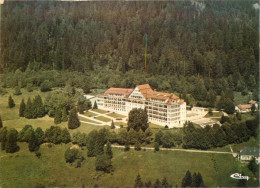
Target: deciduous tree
(58, 116)
(138, 119)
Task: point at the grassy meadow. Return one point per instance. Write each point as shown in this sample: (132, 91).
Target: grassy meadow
(24, 169)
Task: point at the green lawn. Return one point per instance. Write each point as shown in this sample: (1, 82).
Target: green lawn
(46, 122)
(120, 123)
(23, 169)
(88, 120)
(252, 142)
(100, 111)
(155, 126)
(88, 127)
(89, 114)
(115, 115)
(102, 118)
(214, 114)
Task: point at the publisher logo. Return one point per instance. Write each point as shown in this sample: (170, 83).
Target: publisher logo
(239, 176)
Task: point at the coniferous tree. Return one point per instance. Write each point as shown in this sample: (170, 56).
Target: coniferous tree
(165, 183)
(33, 142)
(199, 181)
(11, 103)
(194, 182)
(187, 180)
(3, 137)
(22, 108)
(28, 113)
(99, 144)
(91, 143)
(64, 115)
(39, 135)
(112, 125)
(229, 106)
(108, 151)
(95, 105)
(148, 184)
(73, 122)
(38, 107)
(138, 181)
(25, 134)
(11, 139)
(157, 183)
(58, 116)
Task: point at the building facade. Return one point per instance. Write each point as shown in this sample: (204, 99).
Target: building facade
(246, 154)
(162, 108)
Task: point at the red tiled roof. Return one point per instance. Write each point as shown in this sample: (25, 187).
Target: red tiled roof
(147, 92)
(244, 106)
(252, 102)
(120, 91)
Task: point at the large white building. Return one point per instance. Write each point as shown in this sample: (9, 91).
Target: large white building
(163, 108)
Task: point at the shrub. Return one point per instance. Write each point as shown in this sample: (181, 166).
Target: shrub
(17, 90)
(38, 154)
(29, 87)
(156, 147)
(71, 155)
(45, 86)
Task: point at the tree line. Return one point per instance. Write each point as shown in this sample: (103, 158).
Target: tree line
(202, 52)
(188, 180)
(218, 136)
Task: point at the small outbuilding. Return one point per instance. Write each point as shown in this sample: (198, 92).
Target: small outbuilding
(246, 154)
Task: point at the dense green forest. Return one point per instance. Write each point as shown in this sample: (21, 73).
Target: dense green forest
(195, 48)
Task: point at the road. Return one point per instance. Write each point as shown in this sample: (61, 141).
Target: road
(185, 150)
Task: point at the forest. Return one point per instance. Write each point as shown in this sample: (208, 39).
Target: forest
(197, 48)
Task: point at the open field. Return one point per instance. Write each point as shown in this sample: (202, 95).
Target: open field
(115, 115)
(24, 169)
(102, 118)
